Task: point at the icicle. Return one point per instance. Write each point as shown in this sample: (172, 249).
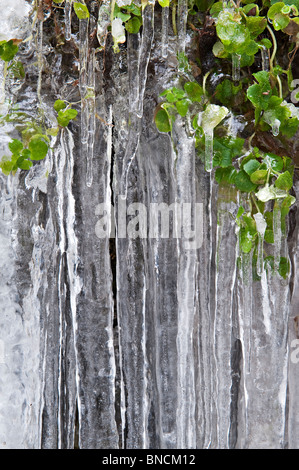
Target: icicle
(103, 22)
(165, 19)
(265, 59)
(182, 13)
(277, 236)
(91, 117)
(39, 47)
(68, 20)
(209, 134)
(236, 61)
(83, 82)
(225, 276)
(138, 85)
(261, 226)
(275, 127)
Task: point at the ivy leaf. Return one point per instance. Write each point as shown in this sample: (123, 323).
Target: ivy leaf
(8, 50)
(182, 107)
(273, 162)
(243, 183)
(284, 181)
(38, 148)
(133, 25)
(226, 149)
(81, 10)
(245, 240)
(64, 117)
(194, 91)
(59, 104)
(251, 166)
(225, 175)
(226, 90)
(260, 93)
(259, 176)
(269, 236)
(268, 193)
(24, 164)
(162, 121)
(15, 146)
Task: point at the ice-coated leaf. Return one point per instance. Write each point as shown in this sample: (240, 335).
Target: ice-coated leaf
(261, 224)
(118, 31)
(212, 116)
(268, 193)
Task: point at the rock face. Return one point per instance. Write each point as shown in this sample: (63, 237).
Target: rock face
(138, 340)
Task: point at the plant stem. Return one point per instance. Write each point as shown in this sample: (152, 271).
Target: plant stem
(175, 31)
(112, 10)
(204, 82)
(274, 47)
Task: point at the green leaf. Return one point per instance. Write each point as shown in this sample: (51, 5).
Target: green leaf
(259, 177)
(24, 164)
(162, 121)
(226, 149)
(194, 91)
(251, 166)
(226, 90)
(284, 267)
(280, 21)
(182, 107)
(256, 25)
(64, 117)
(260, 94)
(15, 146)
(225, 175)
(59, 104)
(81, 10)
(269, 236)
(274, 9)
(265, 42)
(123, 16)
(273, 162)
(243, 183)
(245, 240)
(8, 50)
(164, 3)
(284, 181)
(133, 25)
(6, 166)
(38, 148)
